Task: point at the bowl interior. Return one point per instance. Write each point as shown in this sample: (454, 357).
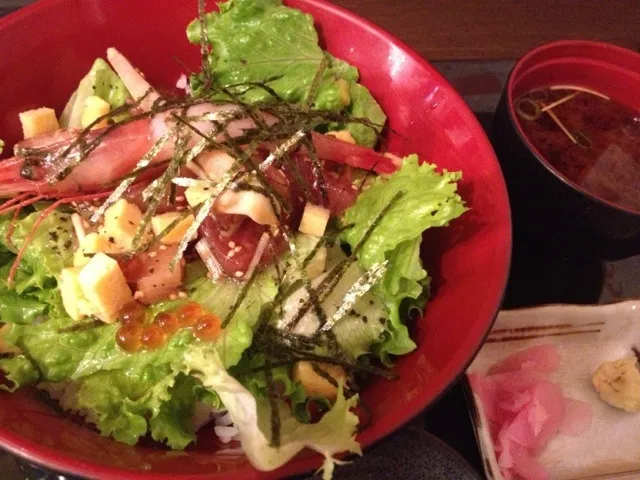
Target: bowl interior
(46, 49)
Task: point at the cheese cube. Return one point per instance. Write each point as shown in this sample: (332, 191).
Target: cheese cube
(345, 96)
(72, 296)
(121, 222)
(38, 122)
(314, 220)
(94, 108)
(196, 195)
(315, 384)
(344, 135)
(96, 242)
(105, 287)
(174, 237)
(80, 259)
(254, 205)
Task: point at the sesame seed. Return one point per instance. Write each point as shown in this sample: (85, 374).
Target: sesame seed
(232, 244)
(237, 249)
(173, 296)
(239, 274)
(353, 187)
(163, 247)
(231, 253)
(182, 295)
(85, 224)
(138, 294)
(180, 208)
(180, 198)
(153, 254)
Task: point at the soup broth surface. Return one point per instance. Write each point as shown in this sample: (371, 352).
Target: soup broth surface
(605, 157)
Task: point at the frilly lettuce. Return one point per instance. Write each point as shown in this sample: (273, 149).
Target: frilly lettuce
(333, 434)
(428, 199)
(264, 40)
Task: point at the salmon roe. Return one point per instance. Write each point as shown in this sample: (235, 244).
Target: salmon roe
(167, 321)
(132, 312)
(129, 337)
(207, 327)
(188, 314)
(153, 337)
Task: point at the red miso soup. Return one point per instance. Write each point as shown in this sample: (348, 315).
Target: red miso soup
(591, 140)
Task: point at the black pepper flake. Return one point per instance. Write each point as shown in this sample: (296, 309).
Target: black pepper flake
(151, 270)
(112, 240)
(365, 319)
(53, 236)
(68, 244)
(371, 302)
(382, 320)
(131, 223)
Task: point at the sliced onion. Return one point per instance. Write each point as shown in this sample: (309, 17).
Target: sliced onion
(209, 259)
(257, 255)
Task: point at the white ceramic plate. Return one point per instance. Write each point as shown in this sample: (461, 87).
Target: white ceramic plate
(585, 336)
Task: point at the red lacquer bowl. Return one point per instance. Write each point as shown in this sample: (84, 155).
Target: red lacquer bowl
(44, 51)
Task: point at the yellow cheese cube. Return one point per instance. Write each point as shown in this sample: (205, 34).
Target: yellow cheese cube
(196, 195)
(105, 287)
(345, 96)
(80, 259)
(121, 222)
(72, 296)
(96, 242)
(344, 135)
(315, 384)
(38, 122)
(314, 220)
(94, 108)
(174, 237)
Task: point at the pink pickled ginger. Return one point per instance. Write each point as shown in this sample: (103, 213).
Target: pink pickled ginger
(526, 410)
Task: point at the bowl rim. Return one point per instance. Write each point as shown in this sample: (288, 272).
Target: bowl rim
(455, 369)
(513, 117)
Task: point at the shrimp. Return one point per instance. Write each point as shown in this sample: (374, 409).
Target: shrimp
(119, 147)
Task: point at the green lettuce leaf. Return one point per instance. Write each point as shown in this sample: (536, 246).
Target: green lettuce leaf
(255, 41)
(220, 297)
(50, 250)
(334, 433)
(363, 105)
(429, 199)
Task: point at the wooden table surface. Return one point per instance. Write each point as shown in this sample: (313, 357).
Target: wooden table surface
(499, 29)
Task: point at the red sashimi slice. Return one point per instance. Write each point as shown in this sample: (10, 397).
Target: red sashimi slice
(577, 418)
(539, 358)
(235, 252)
(149, 273)
(331, 148)
(340, 191)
